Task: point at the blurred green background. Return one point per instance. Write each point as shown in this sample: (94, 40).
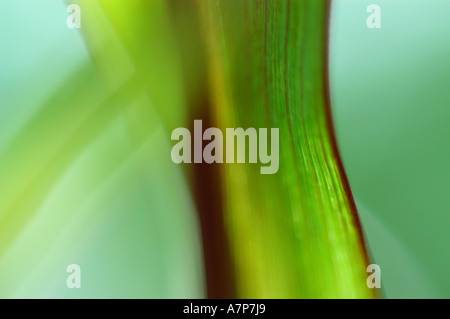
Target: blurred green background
(80, 182)
(391, 108)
